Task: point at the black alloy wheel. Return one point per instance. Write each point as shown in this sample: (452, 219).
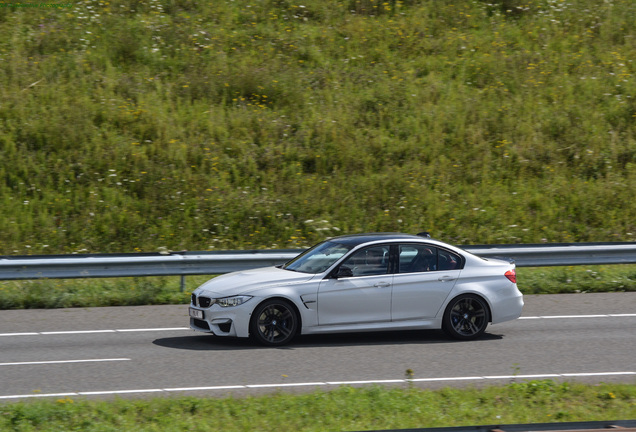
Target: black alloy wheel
(274, 323)
(466, 317)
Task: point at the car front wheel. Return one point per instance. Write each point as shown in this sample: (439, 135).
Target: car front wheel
(466, 317)
(274, 323)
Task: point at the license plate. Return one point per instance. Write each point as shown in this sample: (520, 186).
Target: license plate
(195, 313)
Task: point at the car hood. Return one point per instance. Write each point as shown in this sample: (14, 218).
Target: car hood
(245, 282)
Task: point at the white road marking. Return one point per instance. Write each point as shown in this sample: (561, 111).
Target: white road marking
(225, 387)
(158, 329)
(254, 386)
(364, 382)
(598, 374)
(577, 316)
(70, 332)
(63, 362)
(116, 392)
(77, 332)
(315, 384)
(153, 329)
(19, 334)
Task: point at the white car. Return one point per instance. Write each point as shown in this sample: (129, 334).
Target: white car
(365, 282)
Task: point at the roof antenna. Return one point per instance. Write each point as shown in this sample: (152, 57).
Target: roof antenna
(424, 234)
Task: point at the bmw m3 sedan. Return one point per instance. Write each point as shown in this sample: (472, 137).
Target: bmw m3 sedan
(361, 283)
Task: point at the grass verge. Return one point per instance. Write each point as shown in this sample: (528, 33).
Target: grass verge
(347, 408)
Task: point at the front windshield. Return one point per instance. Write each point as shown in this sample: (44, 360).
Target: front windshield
(319, 258)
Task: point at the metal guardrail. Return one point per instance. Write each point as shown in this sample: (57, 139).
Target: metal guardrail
(126, 265)
(564, 254)
(197, 263)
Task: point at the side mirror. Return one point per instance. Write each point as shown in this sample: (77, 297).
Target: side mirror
(343, 272)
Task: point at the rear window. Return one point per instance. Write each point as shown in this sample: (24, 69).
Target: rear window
(415, 258)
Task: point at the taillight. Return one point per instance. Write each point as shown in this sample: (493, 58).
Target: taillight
(511, 275)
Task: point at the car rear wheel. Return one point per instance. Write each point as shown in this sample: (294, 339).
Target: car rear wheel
(274, 323)
(466, 317)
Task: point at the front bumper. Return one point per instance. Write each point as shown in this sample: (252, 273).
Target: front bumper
(232, 322)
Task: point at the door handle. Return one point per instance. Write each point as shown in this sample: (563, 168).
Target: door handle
(381, 284)
(446, 278)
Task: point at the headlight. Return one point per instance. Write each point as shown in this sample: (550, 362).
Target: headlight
(232, 301)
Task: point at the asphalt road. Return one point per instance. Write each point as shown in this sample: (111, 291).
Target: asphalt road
(148, 351)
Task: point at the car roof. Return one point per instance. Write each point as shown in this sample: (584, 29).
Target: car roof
(358, 239)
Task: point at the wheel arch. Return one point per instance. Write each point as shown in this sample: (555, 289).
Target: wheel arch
(467, 322)
(468, 288)
(468, 294)
(279, 298)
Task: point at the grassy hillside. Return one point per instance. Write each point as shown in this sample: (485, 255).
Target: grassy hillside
(138, 125)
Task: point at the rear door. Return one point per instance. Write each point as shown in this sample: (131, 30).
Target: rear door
(423, 279)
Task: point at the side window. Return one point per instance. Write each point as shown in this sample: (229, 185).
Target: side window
(370, 261)
(448, 260)
(417, 258)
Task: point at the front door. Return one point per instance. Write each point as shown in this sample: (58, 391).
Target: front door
(362, 297)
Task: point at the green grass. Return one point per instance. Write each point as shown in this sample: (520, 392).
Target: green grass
(371, 408)
(578, 279)
(65, 293)
(134, 125)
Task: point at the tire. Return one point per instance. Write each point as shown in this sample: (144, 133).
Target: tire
(274, 323)
(466, 317)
